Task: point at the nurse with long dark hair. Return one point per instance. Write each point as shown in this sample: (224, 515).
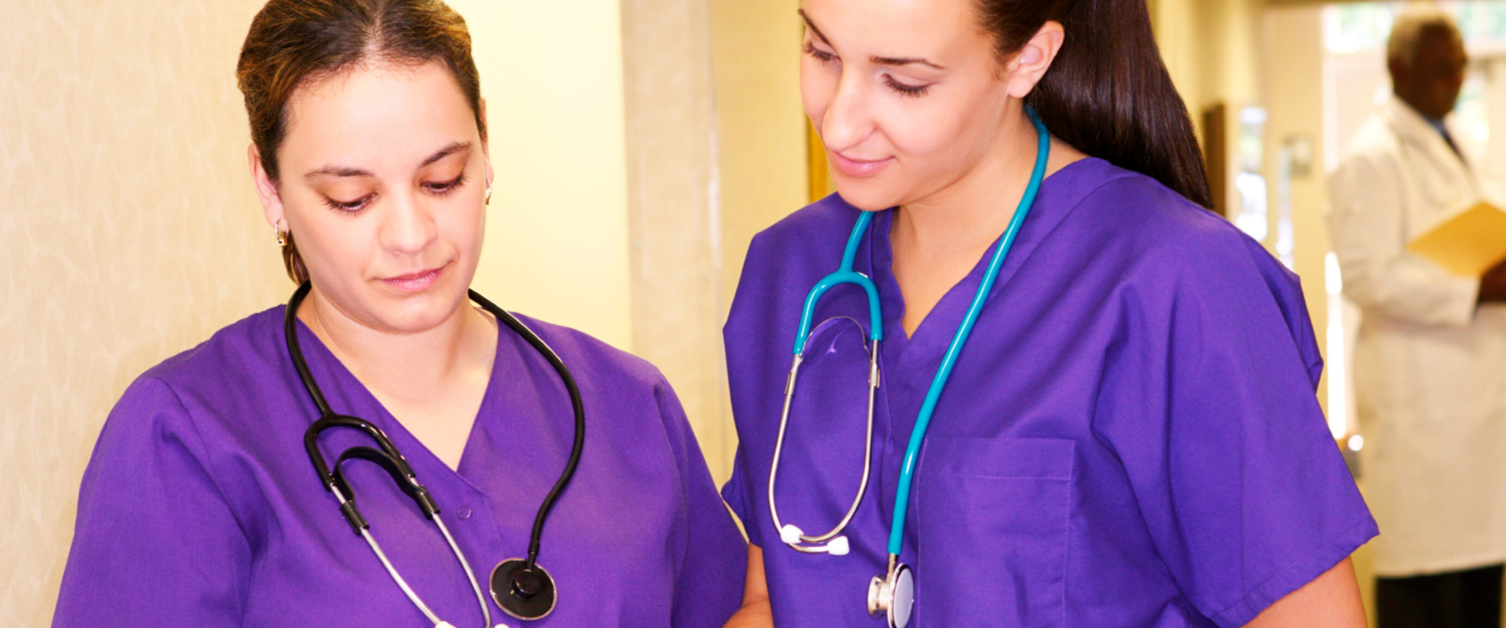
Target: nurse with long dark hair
(1014, 373)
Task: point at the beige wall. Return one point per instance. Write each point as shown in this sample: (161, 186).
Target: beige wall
(130, 233)
(674, 234)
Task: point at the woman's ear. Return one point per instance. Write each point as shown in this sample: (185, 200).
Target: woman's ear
(1030, 64)
(266, 190)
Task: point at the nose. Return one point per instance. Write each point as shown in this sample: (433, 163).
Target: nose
(408, 227)
(848, 120)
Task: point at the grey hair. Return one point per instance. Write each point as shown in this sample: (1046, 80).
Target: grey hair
(1410, 27)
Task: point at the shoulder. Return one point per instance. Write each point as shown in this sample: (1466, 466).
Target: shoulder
(803, 244)
(1160, 229)
(245, 344)
(166, 405)
(585, 354)
(811, 229)
(1173, 253)
(1187, 261)
(1374, 141)
(239, 353)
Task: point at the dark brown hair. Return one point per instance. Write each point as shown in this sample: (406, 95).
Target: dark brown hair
(295, 42)
(1107, 93)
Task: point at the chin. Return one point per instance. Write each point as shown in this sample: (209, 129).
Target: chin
(416, 312)
(867, 196)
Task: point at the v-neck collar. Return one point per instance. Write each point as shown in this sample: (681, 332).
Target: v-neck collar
(342, 388)
(940, 325)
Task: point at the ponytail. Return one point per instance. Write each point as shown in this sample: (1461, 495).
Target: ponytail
(1107, 93)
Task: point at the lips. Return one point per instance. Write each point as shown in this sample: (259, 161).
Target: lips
(415, 282)
(858, 168)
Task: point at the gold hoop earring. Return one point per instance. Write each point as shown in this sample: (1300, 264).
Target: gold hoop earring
(488, 193)
(282, 237)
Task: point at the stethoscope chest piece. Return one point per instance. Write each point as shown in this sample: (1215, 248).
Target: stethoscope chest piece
(523, 592)
(893, 595)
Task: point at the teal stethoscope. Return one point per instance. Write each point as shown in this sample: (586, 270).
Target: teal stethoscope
(892, 594)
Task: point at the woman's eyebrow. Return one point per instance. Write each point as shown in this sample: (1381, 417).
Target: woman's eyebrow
(446, 152)
(812, 25)
(877, 60)
(346, 171)
(904, 61)
(337, 171)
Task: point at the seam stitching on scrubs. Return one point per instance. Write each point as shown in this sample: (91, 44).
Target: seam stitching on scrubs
(1245, 600)
(1024, 255)
(659, 388)
(1067, 532)
(207, 463)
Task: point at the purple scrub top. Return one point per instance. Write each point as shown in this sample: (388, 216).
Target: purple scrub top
(200, 506)
(1130, 437)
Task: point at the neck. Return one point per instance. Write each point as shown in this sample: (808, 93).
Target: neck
(396, 363)
(937, 240)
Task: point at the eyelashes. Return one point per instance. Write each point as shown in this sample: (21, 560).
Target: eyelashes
(443, 189)
(440, 189)
(909, 91)
(349, 207)
(820, 55)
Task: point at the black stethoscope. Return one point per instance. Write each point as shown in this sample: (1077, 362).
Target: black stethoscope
(521, 587)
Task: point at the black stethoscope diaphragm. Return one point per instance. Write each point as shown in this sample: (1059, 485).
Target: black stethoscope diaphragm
(522, 591)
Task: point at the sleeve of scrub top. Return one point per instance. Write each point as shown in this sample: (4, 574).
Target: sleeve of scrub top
(709, 583)
(1369, 240)
(155, 543)
(736, 494)
(1210, 406)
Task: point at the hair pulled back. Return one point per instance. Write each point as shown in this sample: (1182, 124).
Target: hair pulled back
(1107, 93)
(293, 43)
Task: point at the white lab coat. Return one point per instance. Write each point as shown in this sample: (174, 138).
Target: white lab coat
(1429, 366)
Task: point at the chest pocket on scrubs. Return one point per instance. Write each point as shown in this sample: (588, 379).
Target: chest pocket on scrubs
(992, 524)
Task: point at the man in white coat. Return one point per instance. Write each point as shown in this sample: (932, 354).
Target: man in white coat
(1430, 363)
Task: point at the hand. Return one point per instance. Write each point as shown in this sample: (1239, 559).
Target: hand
(756, 612)
(1493, 284)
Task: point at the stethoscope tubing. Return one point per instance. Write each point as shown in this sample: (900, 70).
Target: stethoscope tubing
(390, 459)
(577, 405)
(784, 419)
(928, 407)
(844, 274)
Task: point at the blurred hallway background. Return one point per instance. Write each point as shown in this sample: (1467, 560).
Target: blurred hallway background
(639, 145)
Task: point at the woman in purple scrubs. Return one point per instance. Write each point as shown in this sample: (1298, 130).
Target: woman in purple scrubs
(200, 506)
(1128, 437)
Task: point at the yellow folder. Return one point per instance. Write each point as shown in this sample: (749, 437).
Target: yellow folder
(1467, 244)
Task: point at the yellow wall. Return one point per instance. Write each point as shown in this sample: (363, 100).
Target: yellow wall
(760, 122)
(556, 241)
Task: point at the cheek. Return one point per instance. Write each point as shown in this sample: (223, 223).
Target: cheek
(818, 83)
(462, 221)
(932, 134)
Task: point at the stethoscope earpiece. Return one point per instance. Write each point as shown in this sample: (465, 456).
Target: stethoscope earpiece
(523, 592)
